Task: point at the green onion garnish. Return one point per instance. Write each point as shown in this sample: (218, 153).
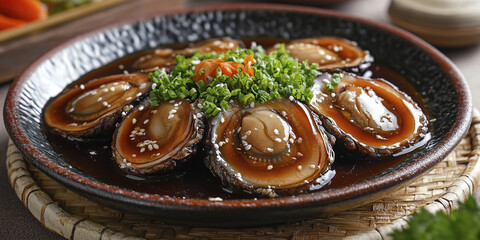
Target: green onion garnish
(275, 75)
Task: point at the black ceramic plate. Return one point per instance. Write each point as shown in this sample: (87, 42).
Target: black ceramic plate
(436, 79)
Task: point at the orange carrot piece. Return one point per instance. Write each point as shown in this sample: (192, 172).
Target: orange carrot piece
(7, 22)
(28, 10)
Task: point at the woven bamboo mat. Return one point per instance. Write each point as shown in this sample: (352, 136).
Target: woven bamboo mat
(75, 217)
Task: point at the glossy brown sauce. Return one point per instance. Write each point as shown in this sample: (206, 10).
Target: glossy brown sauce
(193, 179)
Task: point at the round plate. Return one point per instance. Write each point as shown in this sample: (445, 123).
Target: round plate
(438, 81)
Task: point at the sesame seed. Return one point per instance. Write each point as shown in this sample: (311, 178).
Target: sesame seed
(291, 140)
(71, 109)
(141, 108)
(300, 140)
(170, 116)
(145, 122)
(222, 120)
(93, 153)
(248, 147)
(125, 72)
(299, 167)
(105, 103)
(278, 140)
(142, 149)
(128, 98)
(239, 129)
(99, 99)
(134, 120)
(332, 94)
(129, 164)
(82, 86)
(139, 94)
(284, 114)
(216, 199)
(300, 154)
(276, 131)
(112, 89)
(134, 155)
(291, 98)
(269, 167)
(312, 166)
(150, 147)
(270, 149)
(156, 146)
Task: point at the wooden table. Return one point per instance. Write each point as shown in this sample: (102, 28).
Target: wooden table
(15, 220)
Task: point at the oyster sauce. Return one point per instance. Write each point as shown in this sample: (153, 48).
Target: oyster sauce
(193, 179)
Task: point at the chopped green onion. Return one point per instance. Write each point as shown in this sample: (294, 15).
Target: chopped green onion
(336, 77)
(275, 75)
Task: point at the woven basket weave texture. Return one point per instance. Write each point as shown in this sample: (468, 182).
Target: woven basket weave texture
(76, 217)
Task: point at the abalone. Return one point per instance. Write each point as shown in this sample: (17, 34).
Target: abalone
(329, 53)
(270, 149)
(157, 138)
(165, 57)
(93, 108)
(370, 115)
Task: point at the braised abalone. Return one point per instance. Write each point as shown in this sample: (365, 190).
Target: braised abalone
(271, 148)
(166, 57)
(155, 138)
(328, 52)
(94, 107)
(370, 115)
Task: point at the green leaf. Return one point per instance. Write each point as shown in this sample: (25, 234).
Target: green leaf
(462, 223)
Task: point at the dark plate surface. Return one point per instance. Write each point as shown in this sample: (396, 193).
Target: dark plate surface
(438, 81)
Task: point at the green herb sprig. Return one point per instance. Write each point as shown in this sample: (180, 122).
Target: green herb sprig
(276, 75)
(462, 223)
(336, 77)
